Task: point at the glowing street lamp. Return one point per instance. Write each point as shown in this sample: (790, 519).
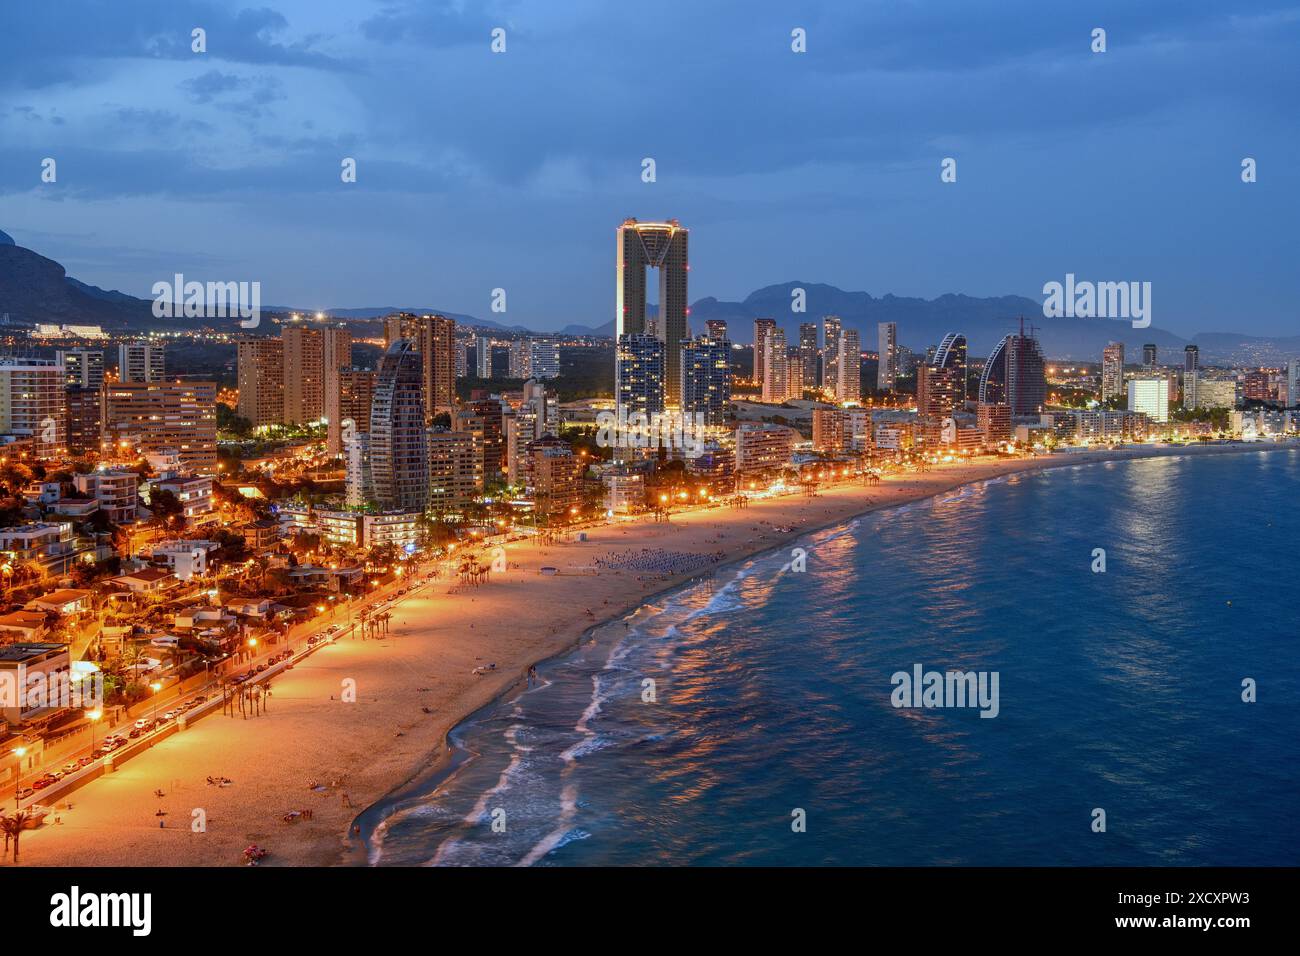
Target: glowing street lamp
(93, 716)
(155, 687)
(18, 773)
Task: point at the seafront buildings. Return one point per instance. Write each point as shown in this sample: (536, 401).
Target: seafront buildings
(399, 457)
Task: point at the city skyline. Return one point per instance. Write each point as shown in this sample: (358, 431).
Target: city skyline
(298, 88)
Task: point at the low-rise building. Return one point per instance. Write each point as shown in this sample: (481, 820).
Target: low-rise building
(185, 558)
(116, 490)
(623, 492)
(65, 601)
(23, 664)
(53, 546)
(146, 581)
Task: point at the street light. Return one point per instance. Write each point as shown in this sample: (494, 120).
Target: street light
(155, 687)
(93, 716)
(18, 773)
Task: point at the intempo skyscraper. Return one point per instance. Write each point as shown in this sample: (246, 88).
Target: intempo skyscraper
(659, 245)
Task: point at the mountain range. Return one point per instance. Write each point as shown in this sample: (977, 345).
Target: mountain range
(34, 289)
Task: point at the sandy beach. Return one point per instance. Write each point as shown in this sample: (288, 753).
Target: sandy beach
(357, 752)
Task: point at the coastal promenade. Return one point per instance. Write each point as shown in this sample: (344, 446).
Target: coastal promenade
(359, 718)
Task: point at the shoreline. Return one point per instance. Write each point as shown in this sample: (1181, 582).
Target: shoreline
(373, 753)
(445, 764)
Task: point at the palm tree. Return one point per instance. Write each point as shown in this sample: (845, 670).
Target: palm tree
(13, 825)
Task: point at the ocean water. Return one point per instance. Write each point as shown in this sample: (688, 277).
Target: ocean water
(1119, 690)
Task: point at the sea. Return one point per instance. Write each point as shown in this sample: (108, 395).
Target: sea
(1142, 619)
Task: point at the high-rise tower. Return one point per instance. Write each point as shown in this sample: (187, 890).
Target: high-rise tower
(662, 246)
(399, 458)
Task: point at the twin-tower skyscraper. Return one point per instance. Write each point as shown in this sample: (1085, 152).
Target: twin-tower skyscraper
(662, 246)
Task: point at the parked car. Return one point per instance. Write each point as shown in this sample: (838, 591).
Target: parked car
(168, 715)
(86, 761)
(141, 724)
(135, 732)
(25, 792)
(71, 767)
(42, 783)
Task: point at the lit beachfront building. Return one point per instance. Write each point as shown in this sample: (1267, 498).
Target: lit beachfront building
(763, 446)
(351, 529)
(994, 422)
(33, 403)
(938, 391)
(776, 360)
(951, 355)
(848, 368)
(24, 665)
(842, 430)
(1150, 396)
(624, 491)
(1015, 375)
(551, 476)
(662, 246)
(359, 482)
(887, 347)
(640, 372)
(1112, 371)
(399, 457)
(706, 379)
(1216, 393)
(141, 362)
(526, 418)
(455, 469)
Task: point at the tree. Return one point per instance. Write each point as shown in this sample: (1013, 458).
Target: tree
(166, 507)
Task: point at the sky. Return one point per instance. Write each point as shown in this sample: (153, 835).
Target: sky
(479, 170)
